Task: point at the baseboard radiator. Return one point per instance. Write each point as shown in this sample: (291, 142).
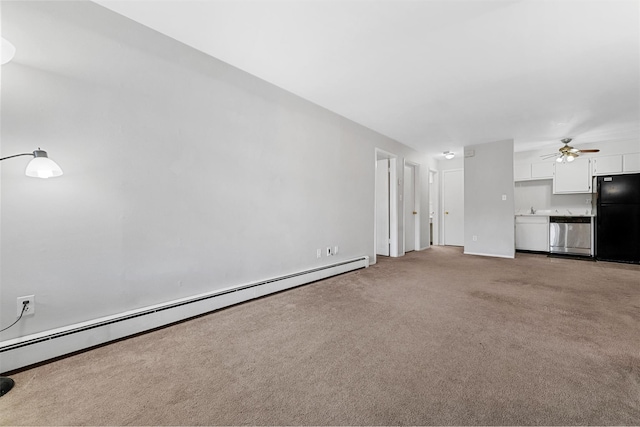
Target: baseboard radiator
(36, 348)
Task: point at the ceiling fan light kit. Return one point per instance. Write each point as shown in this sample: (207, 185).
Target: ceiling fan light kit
(567, 153)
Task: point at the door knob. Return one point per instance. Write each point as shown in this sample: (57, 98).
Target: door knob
(446, 213)
(415, 213)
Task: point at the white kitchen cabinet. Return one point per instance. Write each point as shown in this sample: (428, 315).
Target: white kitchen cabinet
(607, 165)
(631, 162)
(531, 171)
(542, 170)
(521, 171)
(572, 177)
(532, 233)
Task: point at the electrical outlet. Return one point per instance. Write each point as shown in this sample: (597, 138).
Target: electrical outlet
(30, 309)
(475, 238)
(328, 250)
(335, 250)
(319, 253)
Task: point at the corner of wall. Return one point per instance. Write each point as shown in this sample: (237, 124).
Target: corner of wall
(488, 199)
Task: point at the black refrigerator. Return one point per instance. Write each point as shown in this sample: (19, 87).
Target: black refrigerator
(618, 218)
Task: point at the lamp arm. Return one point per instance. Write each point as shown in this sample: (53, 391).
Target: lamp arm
(16, 155)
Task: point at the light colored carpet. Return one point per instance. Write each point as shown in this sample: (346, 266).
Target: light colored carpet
(435, 337)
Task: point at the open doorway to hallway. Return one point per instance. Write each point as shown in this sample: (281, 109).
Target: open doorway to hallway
(434, 217)
(453, 207)
(386, 206)
(411, 202)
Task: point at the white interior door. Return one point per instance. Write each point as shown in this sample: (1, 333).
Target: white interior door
(382, 207)
(409, 209)
(434, 212)
(453, 207)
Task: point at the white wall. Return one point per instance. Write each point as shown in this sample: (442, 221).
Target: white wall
(538, 194)
(182, 174)
(455, 163)
(488, 175)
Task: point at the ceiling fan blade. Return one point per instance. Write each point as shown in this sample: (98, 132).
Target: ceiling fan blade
(589, 151)
(548, 156)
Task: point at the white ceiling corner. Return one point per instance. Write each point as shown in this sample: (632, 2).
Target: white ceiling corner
(433, 74)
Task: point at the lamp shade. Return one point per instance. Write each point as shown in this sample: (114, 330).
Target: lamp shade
(7, 51)
(42, 166)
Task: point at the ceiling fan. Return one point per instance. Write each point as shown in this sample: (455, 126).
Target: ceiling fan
(567, 152)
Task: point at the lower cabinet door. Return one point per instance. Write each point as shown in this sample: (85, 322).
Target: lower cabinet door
(532, 233)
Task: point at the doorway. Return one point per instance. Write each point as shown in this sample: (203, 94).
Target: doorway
(434, 211)
(383, 211)
(453, 207)
(386, 206)
(411, 203)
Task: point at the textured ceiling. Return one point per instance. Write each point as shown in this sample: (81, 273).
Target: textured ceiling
(437, 74)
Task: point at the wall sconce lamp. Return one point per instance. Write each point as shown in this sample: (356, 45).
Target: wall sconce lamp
(41, 166)
(448, 155)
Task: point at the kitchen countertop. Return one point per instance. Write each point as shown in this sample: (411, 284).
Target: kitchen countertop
(560, 212)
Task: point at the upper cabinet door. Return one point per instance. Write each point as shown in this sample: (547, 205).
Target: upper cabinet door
(607, 165)
(631, 162)
(542, 170)
(521, 171)
(574, 177)
(530, 171)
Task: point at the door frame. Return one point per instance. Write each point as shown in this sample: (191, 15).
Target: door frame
(442, 200)
(380, 154)
(416, 204)
(434, 206)
(383, 214)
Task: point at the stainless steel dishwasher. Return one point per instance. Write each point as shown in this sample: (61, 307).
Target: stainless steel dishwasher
(570, 235)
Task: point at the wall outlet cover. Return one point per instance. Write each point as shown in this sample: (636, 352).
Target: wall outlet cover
(31, 307)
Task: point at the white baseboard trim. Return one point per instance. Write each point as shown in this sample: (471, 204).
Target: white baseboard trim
(36, 348)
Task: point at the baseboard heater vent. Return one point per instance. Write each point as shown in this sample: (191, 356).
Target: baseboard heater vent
(28, 350)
